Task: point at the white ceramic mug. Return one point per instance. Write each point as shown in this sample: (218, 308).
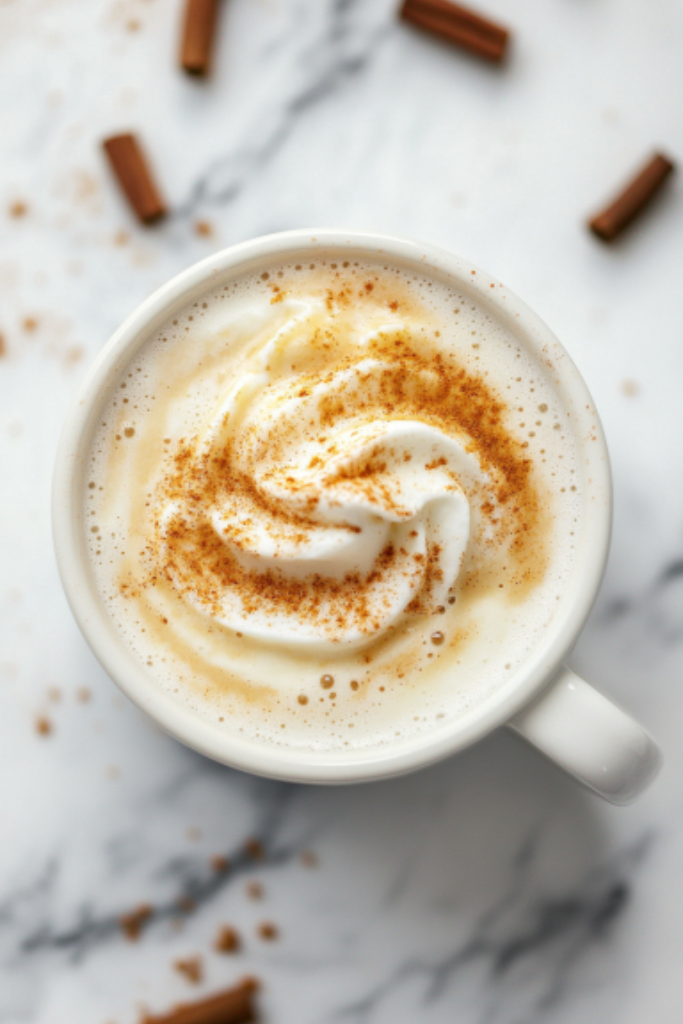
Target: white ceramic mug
(544, 701)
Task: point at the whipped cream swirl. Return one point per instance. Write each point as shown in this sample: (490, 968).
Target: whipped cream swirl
(340, 489)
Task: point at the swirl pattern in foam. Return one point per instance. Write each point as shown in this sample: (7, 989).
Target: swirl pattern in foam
(326, 478)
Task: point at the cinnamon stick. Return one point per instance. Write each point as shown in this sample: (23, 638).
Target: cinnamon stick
(130, 166)
(234, 1006)
(199, 29)
(611, 221)
(458, 25)
(464, 16)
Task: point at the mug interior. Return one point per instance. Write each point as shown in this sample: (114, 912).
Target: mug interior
(402, 755)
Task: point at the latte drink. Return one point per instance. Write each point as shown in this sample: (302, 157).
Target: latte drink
(333, 504)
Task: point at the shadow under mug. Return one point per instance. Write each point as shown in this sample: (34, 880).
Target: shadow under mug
(543, 700)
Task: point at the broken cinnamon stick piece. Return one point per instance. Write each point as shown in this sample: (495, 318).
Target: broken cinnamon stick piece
(458, 25)
(199, 29)
(634, 198)
(234, 1006)
(130, 166)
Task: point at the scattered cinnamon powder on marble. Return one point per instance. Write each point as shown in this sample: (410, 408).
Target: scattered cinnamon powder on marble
(192, 969)
(254, 890)
(43, 726)
(186, 904)
(73, 355)
(630, 387)
(220, 864)
(134, 922)
(203, 228)
(18, 209)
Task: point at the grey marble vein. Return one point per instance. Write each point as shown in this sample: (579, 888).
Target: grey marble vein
(325, 64)
(658, 606)
(194, 884)
(554, 932)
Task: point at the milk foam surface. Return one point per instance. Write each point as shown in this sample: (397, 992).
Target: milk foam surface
(332, 505)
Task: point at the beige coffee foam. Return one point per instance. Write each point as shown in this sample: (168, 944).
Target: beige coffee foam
(409, 684)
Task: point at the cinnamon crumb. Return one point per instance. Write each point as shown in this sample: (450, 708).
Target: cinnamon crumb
(29, 324)
(192, 969)
(43, 726)
(308, 858)
(186, 904)
(3, 346)
(83, 694)
(254, 849)
(203, 228)
(18, 209)
(220, 864)
(132, 924)
(227, 940)
(254, 890)
(268, 931)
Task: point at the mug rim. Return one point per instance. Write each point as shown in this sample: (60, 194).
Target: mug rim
(380, 761)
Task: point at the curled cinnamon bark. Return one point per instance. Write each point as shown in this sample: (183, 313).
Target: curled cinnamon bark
(130, 166)
(611, 221)
(199, 29)
(458, 25)
(234, 1006)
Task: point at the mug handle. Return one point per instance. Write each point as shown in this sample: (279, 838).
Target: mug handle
(590, 737)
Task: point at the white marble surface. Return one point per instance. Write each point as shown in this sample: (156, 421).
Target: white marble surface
(489, 889)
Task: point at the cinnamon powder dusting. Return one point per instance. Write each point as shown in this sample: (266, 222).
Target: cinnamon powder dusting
(308, 425)
(411, 384)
